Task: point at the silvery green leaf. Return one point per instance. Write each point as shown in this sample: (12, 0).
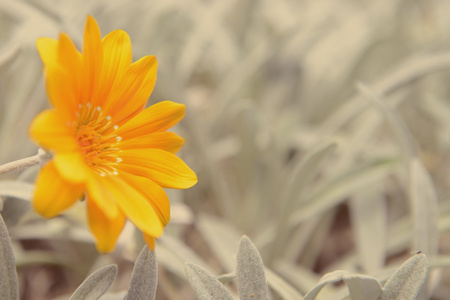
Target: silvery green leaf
(114, 296)
(144, 278)
(96, 284)
(8, 275)
(251, 280)
(16, 189)
(205, 285)
(221, 237)
(425, 210)
(422, 192)
(369, 219)
(336, 191)
(303, 278)
(281, 287)
(305, 170)
(407, 281)
(13, 209)
(360, 287)
(326, 279)
(226, 278)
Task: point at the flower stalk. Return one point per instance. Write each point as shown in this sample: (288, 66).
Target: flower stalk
(40, 158)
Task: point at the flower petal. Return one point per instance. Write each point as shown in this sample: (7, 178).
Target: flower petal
(49, 130)
(71, 60)
(106, 230)
(48, 50)
(150, 241)
(158, 117)
(71, 166)
(153, 193)
(163, 167)
(129, 94)
(134, 205)
(99, 192)
(61, 91)
(116, 59)
(92, 60)
(167, 141)
(53, 194)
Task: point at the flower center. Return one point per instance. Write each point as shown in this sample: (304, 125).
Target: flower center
(97, 142)
(89, 142)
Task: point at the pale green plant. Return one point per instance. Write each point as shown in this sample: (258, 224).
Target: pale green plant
(286, 147)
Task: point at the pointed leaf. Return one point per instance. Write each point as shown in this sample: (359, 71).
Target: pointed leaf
(250, 276)
(326, 279)
(425, 210)
(96, 284)
(362, 287)
(304, 171)
(359, 286)
(369, 221)
(16, 189)
(281, 287)
(8, 275)
(407, 281)
(114, 296)
(205, 285)
(346, 185)
(144, 278)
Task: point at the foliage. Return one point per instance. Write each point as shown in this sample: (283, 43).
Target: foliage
(317, 128)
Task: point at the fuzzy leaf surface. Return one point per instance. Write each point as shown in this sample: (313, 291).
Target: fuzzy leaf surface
(96, 284)
(144, 278)
(205, 285)
(407, 281)
(250, 276)
(8, 275)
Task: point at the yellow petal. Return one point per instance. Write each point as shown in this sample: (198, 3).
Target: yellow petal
(99, 192)
(106, 230)
(150, 241)
(71, 166)
(167, 141)
(161, 166)
(92, 60)
(158, 117)
(48, 50)
(134, 205)
(61, 92)
(129, 94)
(71, 60)
(53, 194)
(154, 194)
(49, 130)
(116, 59)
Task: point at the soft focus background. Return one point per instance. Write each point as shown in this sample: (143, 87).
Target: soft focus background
(320, 129)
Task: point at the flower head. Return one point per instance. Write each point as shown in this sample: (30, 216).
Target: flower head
(105, 144)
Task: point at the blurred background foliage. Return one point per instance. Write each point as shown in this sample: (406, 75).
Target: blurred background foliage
(320, 129)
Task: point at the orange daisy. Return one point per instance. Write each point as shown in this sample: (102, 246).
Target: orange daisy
(105, 145)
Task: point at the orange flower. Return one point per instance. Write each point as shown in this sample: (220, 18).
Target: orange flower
(105, 144)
